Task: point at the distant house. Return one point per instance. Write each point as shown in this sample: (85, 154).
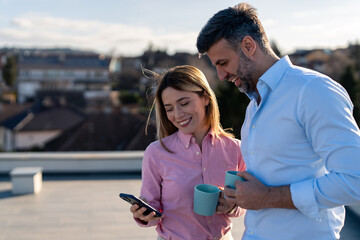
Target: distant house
(315, 59)
(8, 111)
(87, 73)
(35, 126)
(53, 127)
(318, 58)
(117, 130)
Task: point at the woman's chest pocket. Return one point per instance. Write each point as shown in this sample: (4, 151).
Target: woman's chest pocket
(180, 182)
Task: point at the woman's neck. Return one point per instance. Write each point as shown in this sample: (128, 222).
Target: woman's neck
(199, 135)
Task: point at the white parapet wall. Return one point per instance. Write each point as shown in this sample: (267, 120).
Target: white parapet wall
(73, 162)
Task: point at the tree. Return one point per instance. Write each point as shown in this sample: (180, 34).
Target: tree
(128, 79)
(351, 84)
(232, 106)
(275, 48)
(10, 71)
(129, 97)
(348, 81)
(355, 54)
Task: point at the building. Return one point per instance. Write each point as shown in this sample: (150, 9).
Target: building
(34, 126)
(55, 126)
(62, 71)
(116, 130)
(8, 111)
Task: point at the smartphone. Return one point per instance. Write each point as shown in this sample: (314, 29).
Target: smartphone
(132, 200)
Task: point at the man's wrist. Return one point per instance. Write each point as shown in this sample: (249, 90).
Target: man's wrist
(279, 197)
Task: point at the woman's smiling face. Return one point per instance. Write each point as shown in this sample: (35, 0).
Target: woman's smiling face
(186, 110)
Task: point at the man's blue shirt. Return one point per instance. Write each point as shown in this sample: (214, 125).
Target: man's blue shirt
(302, 134)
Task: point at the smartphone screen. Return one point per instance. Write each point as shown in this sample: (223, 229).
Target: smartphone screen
(132, 200)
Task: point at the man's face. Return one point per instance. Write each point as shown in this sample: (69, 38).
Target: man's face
(232, 66)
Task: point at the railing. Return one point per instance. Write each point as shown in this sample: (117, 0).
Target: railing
(74, 162)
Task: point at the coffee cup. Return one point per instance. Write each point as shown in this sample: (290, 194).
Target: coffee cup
(206, 199)
(231, 178)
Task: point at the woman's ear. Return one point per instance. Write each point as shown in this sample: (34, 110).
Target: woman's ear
(206, 100)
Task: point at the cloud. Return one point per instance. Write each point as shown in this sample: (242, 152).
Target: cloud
(45, 31)
(268, 23)
(305, 28)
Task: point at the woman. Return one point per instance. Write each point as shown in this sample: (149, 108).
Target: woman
(192, 149)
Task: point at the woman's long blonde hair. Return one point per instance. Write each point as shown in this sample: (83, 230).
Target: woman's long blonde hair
(184, 78)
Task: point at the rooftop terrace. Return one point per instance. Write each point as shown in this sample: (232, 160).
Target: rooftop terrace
(73, 207)
(85, 204)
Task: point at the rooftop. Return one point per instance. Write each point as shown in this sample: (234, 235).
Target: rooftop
(84, 206)
(80, 199)
(63, 61)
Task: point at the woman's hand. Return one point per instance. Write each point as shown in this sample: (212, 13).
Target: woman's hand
(223, 205)
(138, 212)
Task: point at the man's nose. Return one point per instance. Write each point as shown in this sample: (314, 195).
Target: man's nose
(221, 74)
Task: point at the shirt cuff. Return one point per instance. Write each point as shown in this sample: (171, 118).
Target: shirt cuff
(303, 197)
(146, 224)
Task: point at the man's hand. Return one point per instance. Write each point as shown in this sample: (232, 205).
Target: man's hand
(253, 194)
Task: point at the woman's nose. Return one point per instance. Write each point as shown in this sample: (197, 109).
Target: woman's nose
(178, 112)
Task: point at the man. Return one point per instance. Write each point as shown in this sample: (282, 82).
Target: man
(300, 141)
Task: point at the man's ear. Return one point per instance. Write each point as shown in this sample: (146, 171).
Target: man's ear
(248, 46)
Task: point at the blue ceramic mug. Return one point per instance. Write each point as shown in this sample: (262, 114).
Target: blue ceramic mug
(231, 178)
(206, 199)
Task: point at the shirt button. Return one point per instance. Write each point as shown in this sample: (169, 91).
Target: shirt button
(251, 232)
(186, 146)
(204, 169)
(252, 153)
(253, 126)
(209, 222)
(318, 220)
(197, 153)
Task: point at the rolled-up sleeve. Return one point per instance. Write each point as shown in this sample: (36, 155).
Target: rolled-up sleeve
(303, 197)
(325, 112)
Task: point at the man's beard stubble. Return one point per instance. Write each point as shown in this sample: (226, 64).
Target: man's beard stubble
(245, 73)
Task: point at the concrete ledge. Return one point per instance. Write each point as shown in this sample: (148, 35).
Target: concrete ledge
(26, 180)
(74, 162)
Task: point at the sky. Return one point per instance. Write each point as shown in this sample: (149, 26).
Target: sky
(128, 27)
